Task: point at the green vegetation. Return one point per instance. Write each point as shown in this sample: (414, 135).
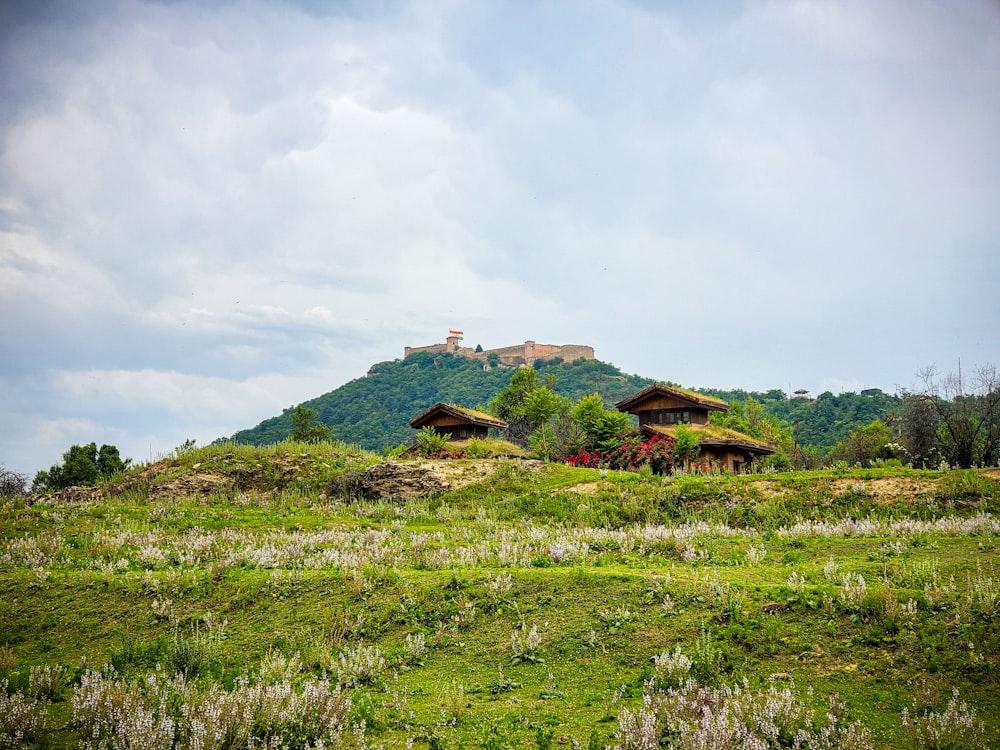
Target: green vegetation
(248, 594)
(306, 428)
(951, 421)
(374, 411)
(82, 466)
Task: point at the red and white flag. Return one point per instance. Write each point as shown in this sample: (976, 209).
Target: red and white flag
(456, 333)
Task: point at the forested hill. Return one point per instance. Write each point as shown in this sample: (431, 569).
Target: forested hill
(374, 411)
(822, 421)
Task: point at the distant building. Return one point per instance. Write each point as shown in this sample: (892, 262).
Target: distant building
(661, 408)
(525, 354)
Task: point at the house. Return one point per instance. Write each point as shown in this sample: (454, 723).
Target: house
(457, 422)
(661, 408)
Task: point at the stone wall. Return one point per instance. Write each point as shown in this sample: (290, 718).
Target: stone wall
(525, 354)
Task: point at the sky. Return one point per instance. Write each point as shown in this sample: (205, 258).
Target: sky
(212, 211)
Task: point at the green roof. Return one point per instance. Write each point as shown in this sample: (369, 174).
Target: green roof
(708, 402)
(474, 416)
(712, 434)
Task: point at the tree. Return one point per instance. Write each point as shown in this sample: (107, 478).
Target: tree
(82, 465)
(968, 414)
(109, 461)
(306, 426)
(919, 426)
(863, 445)
(12, 484)
(602, 430)
(510, 405)
(685, 448)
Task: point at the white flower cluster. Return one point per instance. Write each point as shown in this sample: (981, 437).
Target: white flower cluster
(22, 719)
(692, 716)
(173, 714)
(956, 726)
(670, 669)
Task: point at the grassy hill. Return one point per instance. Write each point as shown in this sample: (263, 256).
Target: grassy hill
(301, 594)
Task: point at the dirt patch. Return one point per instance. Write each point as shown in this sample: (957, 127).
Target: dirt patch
(584, 488)
(887, 489)
(457, 474)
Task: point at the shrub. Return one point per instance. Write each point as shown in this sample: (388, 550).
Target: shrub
(693, 716)
(174, 714)
(955, 727)
(360, 665)
(22, 719)
(430, 442)
(657, 453)
(588, 459)
(12, 484)
(670, 669)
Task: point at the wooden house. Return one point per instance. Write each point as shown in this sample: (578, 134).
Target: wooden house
(661, 408)
(457, 422)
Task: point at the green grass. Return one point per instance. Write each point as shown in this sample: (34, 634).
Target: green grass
(612, 569)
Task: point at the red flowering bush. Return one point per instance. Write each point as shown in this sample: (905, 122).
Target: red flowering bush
(588, 459)
(657, 452)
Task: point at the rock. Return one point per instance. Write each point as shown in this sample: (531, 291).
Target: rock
(392, 480)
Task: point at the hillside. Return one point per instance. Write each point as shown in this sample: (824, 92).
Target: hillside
(374, 411)
(317, 596)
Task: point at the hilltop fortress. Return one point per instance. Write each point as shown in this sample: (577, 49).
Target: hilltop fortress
(525, 354)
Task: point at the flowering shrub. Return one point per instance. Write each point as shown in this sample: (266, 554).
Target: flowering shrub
(955, 727)
(694, 716)
(588, 459)
(22, 719)
(670, 669)
(657, 453)
(524, 645)
(174, 714)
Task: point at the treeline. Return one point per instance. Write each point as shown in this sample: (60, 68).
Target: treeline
(951, 421)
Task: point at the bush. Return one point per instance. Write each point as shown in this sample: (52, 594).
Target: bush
(657, 453)
(430, 442)
(12, 484)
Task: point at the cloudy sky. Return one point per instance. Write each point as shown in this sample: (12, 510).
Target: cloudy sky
(211, 211)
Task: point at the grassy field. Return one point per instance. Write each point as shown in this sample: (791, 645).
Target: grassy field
(235, 597)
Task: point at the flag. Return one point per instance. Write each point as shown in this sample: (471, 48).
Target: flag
(456, 333)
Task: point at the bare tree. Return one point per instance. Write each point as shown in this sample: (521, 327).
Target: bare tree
(12, 484)
(969, 414)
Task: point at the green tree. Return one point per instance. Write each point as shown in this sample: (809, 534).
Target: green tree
(82, 466)
(541, 405)
(602, 429)
(863, 445)
(919, 431)
(306, 427)
(510, 405)
(686, 448)
(109, 461)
